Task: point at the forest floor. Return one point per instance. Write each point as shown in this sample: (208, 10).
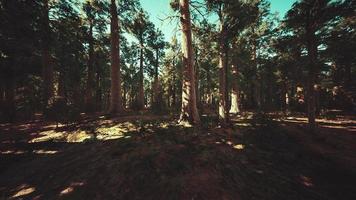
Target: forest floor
(151, 157)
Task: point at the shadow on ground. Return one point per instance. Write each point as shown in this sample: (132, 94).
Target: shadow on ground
(153, 158)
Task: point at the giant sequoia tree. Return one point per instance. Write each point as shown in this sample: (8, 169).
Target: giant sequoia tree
(189, 110)
(116, 105)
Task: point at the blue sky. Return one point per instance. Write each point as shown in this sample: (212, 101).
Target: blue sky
(159, 9)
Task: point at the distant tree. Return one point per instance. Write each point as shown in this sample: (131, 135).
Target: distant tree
(309, 17)
(94, 11)
(141, 28)
(157, 43)
(47, 65)
(233, 17)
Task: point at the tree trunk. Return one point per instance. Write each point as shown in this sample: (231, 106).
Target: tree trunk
(98, 94)
(256, 83)
(312, 55)
(209, 94)
(61, 84)
(197, 80)
(223, 112)
(47, 67)
(189, 111)
(141, 94)
(235, 91)
(156, 80)
(89, 101)
(174, 90)
(116, 98)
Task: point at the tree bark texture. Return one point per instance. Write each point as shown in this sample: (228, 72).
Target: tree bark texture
(189, 111)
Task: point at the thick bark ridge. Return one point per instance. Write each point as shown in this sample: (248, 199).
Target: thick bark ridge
(115, 98)
(189, 111)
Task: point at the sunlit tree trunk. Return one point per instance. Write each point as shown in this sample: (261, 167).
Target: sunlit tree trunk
(89, 103)
(223, 112)
(47, 67)
(116, 98)
(235, 100)
(189, 111)
(312, 55)
(209, 94)
(287, 102)
(197, 81)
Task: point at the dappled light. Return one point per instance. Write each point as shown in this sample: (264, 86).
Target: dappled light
(348, 124)
(23, 190)
(71, 188)
(177, 99)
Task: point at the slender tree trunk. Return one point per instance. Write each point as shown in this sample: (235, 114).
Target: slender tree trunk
(286, 98)
(125, 97)
(235, 100)
(116, 98)
(174, 91)
(312, 55)
(61, 84)
(156, 80)
(223, 112)
(141, 94)
(47, 67)
(189, 110)
(98, 94)
(197, 91)
(257, 91)
(209, 94)
(89, 101)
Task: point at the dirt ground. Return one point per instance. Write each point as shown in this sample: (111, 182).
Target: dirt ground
(151, 157)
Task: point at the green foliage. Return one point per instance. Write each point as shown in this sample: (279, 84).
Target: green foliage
(271, 55)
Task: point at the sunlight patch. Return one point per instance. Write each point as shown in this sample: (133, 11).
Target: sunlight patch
(23, 190)
(239, 146)
(41, 151)
(78, 136)
(49, 135)
(115, 132)
(70, 188)
(12, 152)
